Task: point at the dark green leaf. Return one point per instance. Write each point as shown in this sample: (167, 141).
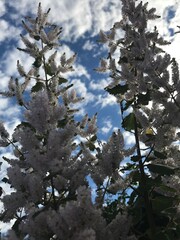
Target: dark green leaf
(94, 138)
(160, 155)
(160, 169)
(62, 123)
(62, 80)
(27, 124)
(162, 236)
(117, 89)
(123, 60)
(127, 104)
(161, 203)
(66, 88)
(38, 61)
(135, 158)
(91, 146)
(37, 87)
(128, 167)
(37, 37)
(5, 180)
(129, 122)
(144, 98)
(136, 177)
(49, 70)
(167, 189)
(111, 210)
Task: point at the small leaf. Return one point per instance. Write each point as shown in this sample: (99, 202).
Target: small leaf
(48, 70)
(135, 158)
(144, 98)
(128, 167)
(129, 122)
(118, 89)
(62, 80)
(37, 37)
(149, 131)
(38, 61)
(91, 146)
(160, 169)
(94, 138)
(123, 60)
(66, 88)
(127, 104)
(160, 155)
(161, 203)
(62, 123)
(135, 175)
(5, 180)
(27, 124)
(167, 189)
(37, 87)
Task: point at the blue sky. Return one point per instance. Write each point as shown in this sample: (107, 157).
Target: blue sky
(81, 21)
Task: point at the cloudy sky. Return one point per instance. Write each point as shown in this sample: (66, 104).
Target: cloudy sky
(81, 21)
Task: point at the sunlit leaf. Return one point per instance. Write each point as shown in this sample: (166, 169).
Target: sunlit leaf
(129, 122)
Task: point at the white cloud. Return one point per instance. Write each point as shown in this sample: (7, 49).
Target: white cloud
(80, 17)
(9, 61)
(4, 79)
(8, 32)
(99, 85)
(77, 17)
(129, 138)
(107, 126)
(89, 45)
(105, 100)
(2, 8)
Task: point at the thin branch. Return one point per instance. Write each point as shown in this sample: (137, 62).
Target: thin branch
(143, 185)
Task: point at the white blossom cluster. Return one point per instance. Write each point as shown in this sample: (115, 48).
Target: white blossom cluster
(148, 95)
(51, 196)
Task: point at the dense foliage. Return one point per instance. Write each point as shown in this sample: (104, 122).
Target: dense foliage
(55, 155)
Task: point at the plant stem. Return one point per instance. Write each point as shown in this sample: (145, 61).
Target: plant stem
(143, 185)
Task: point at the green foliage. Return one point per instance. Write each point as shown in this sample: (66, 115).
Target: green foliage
(119, 89)
(111, 210)
(129, 122)
(161, 169)
(37, 87)
(62, 80)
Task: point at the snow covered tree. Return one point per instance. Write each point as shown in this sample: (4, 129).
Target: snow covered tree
(54, 154)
